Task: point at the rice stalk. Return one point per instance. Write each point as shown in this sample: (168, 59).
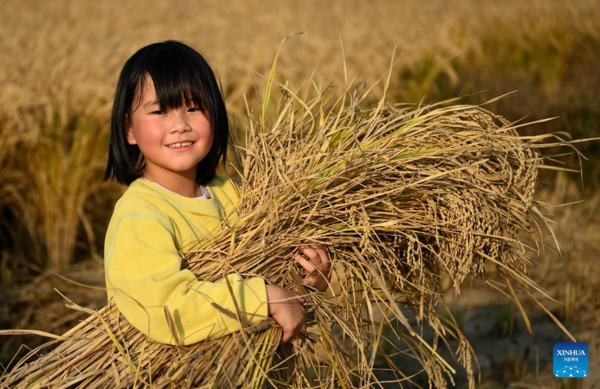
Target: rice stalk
(400, 196)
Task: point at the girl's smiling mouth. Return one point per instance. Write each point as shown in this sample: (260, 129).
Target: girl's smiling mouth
(181, 146)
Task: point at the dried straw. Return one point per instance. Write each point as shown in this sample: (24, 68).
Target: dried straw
(400, 195)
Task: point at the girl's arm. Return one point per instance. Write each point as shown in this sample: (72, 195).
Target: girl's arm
(143, 270)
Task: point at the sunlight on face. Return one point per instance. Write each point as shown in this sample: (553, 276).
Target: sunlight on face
(154, 130)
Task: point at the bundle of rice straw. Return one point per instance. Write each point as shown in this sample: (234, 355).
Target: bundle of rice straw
(401, 196)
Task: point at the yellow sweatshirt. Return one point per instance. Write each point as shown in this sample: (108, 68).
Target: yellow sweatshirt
(150, 225)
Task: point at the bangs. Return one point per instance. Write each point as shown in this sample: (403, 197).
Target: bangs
(177, 82)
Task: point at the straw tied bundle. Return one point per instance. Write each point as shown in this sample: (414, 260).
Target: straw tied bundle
(400, 196)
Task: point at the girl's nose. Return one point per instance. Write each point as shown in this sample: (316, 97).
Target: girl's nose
(179, 121)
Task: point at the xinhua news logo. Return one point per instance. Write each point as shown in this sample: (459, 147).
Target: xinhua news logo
(571, 359)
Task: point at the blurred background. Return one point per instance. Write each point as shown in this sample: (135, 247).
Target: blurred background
(60, 61)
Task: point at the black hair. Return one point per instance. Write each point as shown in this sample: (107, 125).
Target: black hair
(180, 75)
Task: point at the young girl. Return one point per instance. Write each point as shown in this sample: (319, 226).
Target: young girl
(169, 130)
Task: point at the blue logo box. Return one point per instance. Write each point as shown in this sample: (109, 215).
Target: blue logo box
(571, 359)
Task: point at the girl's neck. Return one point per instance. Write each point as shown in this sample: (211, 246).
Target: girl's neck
(184, 186)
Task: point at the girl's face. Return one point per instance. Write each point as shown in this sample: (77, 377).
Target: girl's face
(154, 130)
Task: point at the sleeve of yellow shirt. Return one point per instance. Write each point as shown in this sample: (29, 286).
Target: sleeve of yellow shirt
(144, 269)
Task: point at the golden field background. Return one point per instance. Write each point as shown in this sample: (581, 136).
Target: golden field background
(59, 65)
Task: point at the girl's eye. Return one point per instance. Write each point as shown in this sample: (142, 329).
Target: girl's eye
(194, 109)
(159, 112)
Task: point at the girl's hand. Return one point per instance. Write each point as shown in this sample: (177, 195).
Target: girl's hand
(318, 265)
(286, 308)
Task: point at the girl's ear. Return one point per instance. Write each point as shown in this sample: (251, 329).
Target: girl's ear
(129, 132)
